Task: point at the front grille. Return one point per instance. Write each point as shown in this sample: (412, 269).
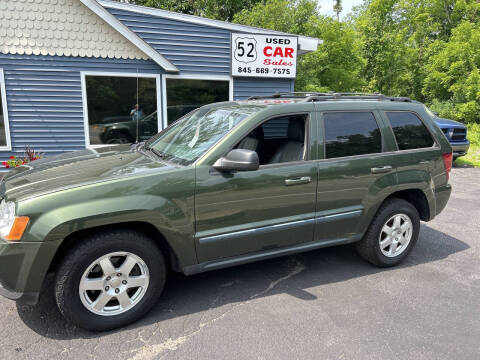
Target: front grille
(459, 134)
(455, 134)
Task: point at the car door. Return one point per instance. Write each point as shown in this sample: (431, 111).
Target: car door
(417, 152)
(244, 212)
(356, 169)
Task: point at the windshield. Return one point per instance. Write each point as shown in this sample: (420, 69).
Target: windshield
(189, 137)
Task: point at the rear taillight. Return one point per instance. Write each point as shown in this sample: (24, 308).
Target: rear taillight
(447, 161)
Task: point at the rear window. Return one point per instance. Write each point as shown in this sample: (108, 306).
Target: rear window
(409, 130)
(351, 133)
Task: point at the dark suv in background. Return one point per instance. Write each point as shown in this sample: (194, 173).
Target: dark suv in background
(227, 184)
(456, 133)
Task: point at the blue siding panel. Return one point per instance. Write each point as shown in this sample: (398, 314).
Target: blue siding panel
(44, 99)
(192, 48)
(246, 87)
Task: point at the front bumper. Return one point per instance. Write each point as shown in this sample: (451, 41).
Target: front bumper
(23, 267)
(29, 298)
(460, 148)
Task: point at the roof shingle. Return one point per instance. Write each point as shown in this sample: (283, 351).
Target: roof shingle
(60, 27)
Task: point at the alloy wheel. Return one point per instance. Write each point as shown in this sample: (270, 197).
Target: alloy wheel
(113, 284)
(395, 235)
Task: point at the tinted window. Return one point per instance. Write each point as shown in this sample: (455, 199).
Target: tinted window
(351, 133)
(409, 131)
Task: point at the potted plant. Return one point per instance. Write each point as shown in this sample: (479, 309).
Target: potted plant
(29, 155)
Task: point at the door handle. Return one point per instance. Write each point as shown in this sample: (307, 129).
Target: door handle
(380, 170)
(298, 181)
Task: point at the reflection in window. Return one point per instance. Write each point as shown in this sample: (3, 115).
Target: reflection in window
(194, 134)
(185, 95)
(118, 111)
(351, 133)
(3, 132)
(409, 130)
(276, 128)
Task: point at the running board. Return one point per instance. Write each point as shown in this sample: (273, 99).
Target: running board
(263, 255)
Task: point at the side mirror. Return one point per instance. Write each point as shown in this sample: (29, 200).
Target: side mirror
(238, 160)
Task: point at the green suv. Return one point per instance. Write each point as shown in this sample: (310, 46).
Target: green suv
(227, 184)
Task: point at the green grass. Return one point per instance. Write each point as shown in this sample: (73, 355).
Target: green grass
(473, 156)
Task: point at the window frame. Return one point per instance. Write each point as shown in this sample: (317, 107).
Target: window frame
(6, 123)
(190, 77)
(306, 145)
(83, 76)
(380, 126)
(387, 119)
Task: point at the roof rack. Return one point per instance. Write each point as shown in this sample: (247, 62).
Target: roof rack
(319, 96)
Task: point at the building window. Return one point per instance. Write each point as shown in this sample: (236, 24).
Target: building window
(185, 95)
(121, 109)
(351, 133)
(409, 131)
(4, 129)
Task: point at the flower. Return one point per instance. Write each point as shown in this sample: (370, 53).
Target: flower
(12, 157)
(7, 166)
(4, 163)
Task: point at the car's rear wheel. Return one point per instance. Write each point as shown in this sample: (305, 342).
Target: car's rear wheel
(392, 233)
(109, 280)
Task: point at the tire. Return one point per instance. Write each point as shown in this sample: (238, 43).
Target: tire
(370, 247)
(76, 304)
(119, 138)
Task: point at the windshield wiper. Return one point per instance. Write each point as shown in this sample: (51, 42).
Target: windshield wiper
(158, 153)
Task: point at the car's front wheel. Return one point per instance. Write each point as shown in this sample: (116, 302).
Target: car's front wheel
(119, 138)
(392, 233)
(109, 280)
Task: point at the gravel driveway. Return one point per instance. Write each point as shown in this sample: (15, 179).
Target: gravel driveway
(326, 304)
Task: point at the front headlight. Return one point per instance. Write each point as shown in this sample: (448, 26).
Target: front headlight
(11, 226)
(7, 217)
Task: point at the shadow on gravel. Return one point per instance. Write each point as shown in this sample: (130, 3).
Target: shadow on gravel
(292, 274)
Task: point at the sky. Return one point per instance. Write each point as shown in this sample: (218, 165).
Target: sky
(327, 6)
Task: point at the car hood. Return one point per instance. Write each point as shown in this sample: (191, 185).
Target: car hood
(441, 122)
(76, 169)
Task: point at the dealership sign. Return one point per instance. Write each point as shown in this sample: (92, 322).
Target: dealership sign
(272, 56)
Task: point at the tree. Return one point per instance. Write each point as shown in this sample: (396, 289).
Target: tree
(293, 16)
(337, 7)
(454, 73)
(214, 9)
(338, 64)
